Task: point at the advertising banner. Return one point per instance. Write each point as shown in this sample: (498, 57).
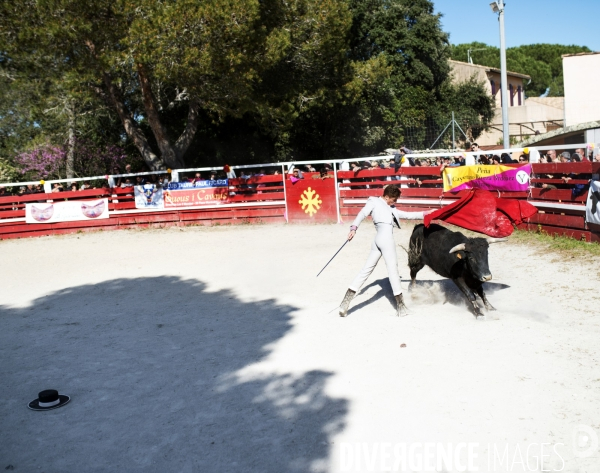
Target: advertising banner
(592, 208)
(148, 196)
(216, 193)
(68, 211)
(198, 184)
(489, 178)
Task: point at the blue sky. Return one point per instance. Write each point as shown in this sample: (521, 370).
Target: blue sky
(527, 22)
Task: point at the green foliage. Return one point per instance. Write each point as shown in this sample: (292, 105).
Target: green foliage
(7, 172)
(543, 62)
(561, 245)
(191, 82)
(400, 80)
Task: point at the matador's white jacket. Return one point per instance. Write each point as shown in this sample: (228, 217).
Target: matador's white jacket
(382, 213)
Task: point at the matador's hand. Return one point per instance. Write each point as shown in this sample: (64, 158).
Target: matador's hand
(351, 234)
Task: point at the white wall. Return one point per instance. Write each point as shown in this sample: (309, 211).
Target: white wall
(582, 92)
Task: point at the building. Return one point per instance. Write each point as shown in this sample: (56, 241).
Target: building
(581, 104)
(527, 117)
(582, 96)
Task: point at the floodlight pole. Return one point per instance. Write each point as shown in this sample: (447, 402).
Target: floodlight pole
(503, 77)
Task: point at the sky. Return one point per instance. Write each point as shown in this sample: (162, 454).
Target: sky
(526, 22)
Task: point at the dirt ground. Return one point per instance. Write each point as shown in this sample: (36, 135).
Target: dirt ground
(218, 350)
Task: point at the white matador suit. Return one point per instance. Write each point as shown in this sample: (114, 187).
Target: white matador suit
(384, 217)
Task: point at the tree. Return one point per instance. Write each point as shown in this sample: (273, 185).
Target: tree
(148, 58)
(399, 82)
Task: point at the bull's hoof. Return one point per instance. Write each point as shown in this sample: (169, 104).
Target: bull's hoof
(490, 307)
(480, 317)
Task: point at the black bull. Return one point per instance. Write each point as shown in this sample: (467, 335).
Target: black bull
(454, 256)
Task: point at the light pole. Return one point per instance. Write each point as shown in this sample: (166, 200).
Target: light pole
(498, 7)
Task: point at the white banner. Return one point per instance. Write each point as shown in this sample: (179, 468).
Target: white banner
(592, 208)
(69, 211)
(149, 196)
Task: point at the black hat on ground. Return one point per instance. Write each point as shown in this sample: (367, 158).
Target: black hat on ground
(47, 400)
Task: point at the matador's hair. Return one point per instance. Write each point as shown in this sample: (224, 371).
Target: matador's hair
(391, 191)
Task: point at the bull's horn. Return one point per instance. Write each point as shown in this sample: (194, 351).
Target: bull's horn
(501, 240)
(460, 247)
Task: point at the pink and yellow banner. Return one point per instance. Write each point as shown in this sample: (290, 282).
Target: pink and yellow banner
(490, 178)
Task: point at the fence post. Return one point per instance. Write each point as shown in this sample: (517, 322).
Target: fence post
(337, 193)
(285, 194)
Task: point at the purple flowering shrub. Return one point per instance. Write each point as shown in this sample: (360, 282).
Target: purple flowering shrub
(43, 162)
(50, 162)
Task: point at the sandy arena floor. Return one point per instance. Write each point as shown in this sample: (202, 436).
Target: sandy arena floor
(218, 350)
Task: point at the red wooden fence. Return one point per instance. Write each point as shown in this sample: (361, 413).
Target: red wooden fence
(263, 200)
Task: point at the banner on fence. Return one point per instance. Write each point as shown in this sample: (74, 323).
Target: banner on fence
(490, 178)
(68, 211)
(198, 184)
(149, 196)
(196, 196)
(311, 200)
(592, 208)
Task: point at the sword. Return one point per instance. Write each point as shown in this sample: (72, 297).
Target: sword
(333, 257)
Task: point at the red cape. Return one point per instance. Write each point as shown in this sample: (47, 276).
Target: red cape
(480, 211)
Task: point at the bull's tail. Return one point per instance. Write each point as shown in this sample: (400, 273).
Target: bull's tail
(415, 249)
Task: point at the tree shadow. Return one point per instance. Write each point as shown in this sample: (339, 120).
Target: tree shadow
(159, 371)
(427, 291)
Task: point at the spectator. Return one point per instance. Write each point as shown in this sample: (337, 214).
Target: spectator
(475, 149)
(4, 192)
(354, 167)
(582, 154)
(55, 188)
(551, 156)
(296, 175)
(495, 159)
(323, 174)
(126, 183)
(506, 159)
(523, 159)
(73, 187)
(197, 178)
(565, 157)
(575, 158)
(139, 181)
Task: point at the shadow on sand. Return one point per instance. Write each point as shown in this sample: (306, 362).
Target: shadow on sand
(426, 291)
(155, 384)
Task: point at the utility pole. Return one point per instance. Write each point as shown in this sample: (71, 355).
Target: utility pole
(498, 7)
(453, 147)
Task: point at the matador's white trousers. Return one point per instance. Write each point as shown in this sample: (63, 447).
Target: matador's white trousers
(383, 245)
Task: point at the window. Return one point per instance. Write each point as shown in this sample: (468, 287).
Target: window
(493, 83)
(512, 97)
(519, 91)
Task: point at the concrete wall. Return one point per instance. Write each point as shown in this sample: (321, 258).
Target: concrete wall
(582, 94)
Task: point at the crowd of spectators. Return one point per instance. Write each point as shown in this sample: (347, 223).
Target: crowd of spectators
(326, 171)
